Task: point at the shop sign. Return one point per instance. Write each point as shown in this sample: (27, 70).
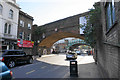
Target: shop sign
(25, 43)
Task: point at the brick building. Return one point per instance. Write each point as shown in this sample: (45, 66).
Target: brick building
(25, 23)
(108, 46)
(60, 47)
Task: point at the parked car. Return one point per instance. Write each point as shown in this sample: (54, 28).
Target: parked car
(5, 73)
(13, 57)
(71, 55)
(78, 52)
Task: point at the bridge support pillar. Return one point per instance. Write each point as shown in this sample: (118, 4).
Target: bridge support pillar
(43, 50)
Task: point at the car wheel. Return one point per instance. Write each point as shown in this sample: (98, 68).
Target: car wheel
(30, 61)
(11, 64)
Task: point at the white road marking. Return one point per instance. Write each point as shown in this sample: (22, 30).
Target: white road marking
(30, 72)
(29, 65)
(43, 67)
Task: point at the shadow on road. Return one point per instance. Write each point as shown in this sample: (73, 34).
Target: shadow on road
(47, 70)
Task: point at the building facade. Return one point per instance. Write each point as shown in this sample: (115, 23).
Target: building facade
(24, 33)
(108, 48)
(60, 47)
(9, 11)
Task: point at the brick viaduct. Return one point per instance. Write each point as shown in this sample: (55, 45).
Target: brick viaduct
(67, 27)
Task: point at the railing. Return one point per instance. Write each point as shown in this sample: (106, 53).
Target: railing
(78, 41)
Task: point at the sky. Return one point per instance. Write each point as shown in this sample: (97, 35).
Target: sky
(46, 11)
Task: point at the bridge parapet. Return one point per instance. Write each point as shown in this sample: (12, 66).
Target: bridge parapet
(70, 24)
(76, 41)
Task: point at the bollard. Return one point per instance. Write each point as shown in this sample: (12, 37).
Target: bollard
(73, 68)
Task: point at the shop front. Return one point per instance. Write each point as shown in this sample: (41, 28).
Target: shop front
(25, 45)
(8, 44)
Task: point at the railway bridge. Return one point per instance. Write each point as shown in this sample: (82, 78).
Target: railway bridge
(60, 29)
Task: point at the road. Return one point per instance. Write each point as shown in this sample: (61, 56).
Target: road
(48, 66)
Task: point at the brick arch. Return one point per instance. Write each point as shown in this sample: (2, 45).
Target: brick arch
(50, 40)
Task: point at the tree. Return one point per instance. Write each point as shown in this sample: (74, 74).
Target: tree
(91, 29)
(38, 32)
(37, 35)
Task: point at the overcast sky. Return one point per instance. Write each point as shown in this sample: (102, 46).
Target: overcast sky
(46, 11)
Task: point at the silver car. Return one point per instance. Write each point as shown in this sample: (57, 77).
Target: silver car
(71, 55)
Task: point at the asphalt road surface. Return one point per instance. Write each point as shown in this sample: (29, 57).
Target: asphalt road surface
(48, 66)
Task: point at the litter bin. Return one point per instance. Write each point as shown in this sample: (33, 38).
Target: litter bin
(73, 68)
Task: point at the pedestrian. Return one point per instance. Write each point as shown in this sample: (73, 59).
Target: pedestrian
(53, 51)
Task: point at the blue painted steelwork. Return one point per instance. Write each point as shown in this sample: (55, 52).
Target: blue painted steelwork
(76, 41)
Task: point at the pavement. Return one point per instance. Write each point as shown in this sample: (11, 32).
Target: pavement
(35, 57)
(86, 65)
(87, 68)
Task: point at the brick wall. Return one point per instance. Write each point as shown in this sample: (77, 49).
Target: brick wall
(69, 24)
(108, 49)
(119, 53)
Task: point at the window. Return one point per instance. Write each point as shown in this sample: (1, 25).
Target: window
(11, 14)
(9, 29)
(21, 35)
(29, 37)
(110, 14)
(1, 8)
(29, 26)
(5, 28)
(21, 23)
(43, 35)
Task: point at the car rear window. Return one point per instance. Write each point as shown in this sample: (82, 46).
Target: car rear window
(71, 53)
(10, 53)
(3, 68)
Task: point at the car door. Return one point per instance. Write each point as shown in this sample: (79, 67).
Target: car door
(24, 56)
(18, 56)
